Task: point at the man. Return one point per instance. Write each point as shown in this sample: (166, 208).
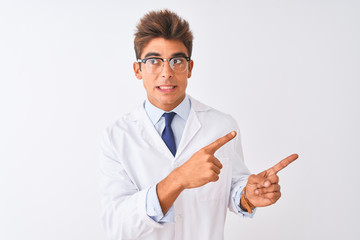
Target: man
(172, 168)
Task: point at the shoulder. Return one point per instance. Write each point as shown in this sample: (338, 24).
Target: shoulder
(126, 124)
(215, 124)
(211, 115)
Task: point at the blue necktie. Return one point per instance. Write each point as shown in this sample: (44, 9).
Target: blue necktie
(167, 134)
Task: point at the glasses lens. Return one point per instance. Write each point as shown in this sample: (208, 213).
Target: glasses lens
(153, 65)
(178, 64)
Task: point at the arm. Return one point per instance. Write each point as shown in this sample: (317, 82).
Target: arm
(153, 208)
(123, 204)
(240, 174)
(168, 190)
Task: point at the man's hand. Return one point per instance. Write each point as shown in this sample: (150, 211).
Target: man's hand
(263, 189)
(203, 167)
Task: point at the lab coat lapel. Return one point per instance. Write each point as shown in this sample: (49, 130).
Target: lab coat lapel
(193, 124)
(149, 133)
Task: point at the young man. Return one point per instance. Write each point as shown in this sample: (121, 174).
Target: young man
(172, 168)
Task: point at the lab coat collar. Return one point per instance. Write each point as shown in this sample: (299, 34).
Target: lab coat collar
(155, 113)
(196, 106)
(151, 136)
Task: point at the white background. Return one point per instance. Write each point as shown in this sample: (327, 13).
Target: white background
(288, 71)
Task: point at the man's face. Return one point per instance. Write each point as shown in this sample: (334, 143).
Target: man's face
(166, 89)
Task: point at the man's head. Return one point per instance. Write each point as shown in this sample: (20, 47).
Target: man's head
(162, 24)
(163, 45)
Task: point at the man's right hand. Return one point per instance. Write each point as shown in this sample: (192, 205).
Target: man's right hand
(203, 167)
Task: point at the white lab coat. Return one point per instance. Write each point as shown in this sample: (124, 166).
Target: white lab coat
(134, 158)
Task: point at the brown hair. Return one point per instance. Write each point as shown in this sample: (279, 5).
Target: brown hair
(165, 24)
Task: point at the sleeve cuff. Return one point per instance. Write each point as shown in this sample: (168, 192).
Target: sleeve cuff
(141, 209)
(236, 200)
(153, 208)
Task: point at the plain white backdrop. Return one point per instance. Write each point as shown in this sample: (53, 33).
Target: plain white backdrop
(288, 71)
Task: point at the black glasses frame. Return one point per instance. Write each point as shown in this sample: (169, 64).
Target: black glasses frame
(162, 59)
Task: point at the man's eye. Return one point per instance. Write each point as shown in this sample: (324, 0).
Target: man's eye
(177, 60)
(152, 61)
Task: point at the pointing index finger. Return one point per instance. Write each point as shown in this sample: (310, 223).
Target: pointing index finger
(283, 164)
(213, 147)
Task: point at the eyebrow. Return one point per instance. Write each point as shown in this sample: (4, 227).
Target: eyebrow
(152, 54)
(178, 54)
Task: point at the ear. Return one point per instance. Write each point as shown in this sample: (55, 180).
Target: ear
(191, 65)
(137, 70)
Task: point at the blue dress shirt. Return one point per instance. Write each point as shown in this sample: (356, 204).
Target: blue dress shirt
(153, 208)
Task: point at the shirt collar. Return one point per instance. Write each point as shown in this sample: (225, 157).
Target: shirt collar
(155, 113)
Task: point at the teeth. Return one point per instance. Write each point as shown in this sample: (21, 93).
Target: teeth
(166, 87)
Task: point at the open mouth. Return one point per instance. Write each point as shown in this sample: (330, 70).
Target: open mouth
(166, 88)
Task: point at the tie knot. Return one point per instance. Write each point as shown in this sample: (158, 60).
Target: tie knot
(168, 118)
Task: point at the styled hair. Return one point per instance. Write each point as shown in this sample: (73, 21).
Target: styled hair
(164, 24)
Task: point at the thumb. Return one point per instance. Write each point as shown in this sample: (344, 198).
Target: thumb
(258, 181)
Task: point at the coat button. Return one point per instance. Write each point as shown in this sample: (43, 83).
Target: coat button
(177, 218)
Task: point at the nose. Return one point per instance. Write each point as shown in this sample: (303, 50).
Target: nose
(167, 71)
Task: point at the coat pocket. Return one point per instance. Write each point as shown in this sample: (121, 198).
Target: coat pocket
(216, 190)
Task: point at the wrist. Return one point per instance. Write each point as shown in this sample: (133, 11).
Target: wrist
(245, 204)
(176, 179)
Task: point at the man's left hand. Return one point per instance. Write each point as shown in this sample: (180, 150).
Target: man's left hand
(263, 189)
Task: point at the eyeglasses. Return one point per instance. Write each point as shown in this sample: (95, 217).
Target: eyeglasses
(156, 64)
